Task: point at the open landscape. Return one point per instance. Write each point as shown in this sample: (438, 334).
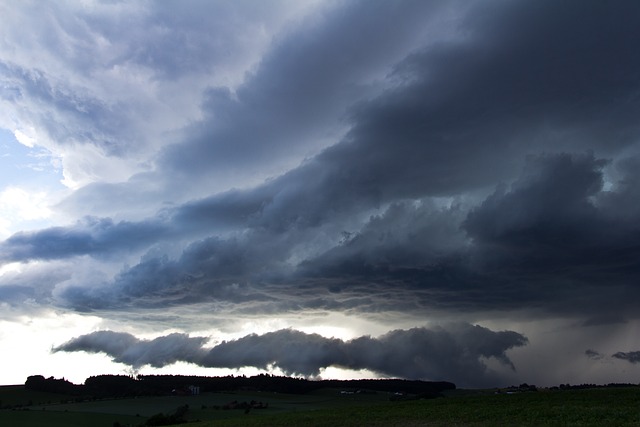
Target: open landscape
(417, 213)
(340, 405)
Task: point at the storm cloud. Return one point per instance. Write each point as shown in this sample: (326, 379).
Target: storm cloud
(127, 349)
(629, 356)
(456, 352)
(553, 235)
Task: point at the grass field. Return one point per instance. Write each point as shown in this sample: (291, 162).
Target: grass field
(596, 407)
(330, 408)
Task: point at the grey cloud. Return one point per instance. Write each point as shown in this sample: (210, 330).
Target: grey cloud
(16, 293)
(407, 234)
(454, 352)
(438, 133)
(606, 319)
(91, 236)
(297, 95)
(293, 351)
(208, 270)
(112, 79)
(549, 230)
(463, 102)
(126, 348)
(631, 356)
(550, 200)
(85, 116)
(545, 244)
(462, 115)
(290, 107)
(100, 341)
(258, 258)
(620, 202)
(505, 253)
(394, 161)
(31, 289)
(176, 41)
(592, 354)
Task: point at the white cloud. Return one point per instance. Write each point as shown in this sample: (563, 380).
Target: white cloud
(5, 228)
(23, 204)
(24, 139)
(19, 207)
(12, 267)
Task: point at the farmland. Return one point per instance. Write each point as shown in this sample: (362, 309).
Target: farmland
(332, 407)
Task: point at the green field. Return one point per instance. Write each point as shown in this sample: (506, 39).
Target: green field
(328, 407)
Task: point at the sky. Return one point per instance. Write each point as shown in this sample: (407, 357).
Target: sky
(323, 189)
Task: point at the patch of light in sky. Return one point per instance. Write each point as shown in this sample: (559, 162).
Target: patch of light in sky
(27, 166)
(30, 178)
(24, 139)
(13, 267)
(191, 369)
(346, 374)
(27, 206)
(27, 341)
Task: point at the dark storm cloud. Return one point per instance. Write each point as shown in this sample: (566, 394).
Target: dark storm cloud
(525, 101)
(290, 106)
(547, 212)
(406, 234)
(460, 105)
(606, 319)
(209, 270)
(455, 352)
(254, 266)
(468, 111)
(549, 230)
(544, 243)
(553, 238)
(631, 356)
(298, 93)
(91, 236)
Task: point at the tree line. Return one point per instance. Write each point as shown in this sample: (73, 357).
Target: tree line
(102, 386)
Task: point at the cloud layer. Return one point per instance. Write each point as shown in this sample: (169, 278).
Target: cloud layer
(550, 237)
(456, 352)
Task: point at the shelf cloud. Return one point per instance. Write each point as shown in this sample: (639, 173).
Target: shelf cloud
(455, 351)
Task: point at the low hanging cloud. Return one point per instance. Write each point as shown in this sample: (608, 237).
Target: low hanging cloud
(126, 348)
(631, 356)
(453, 352)
(593, 354)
